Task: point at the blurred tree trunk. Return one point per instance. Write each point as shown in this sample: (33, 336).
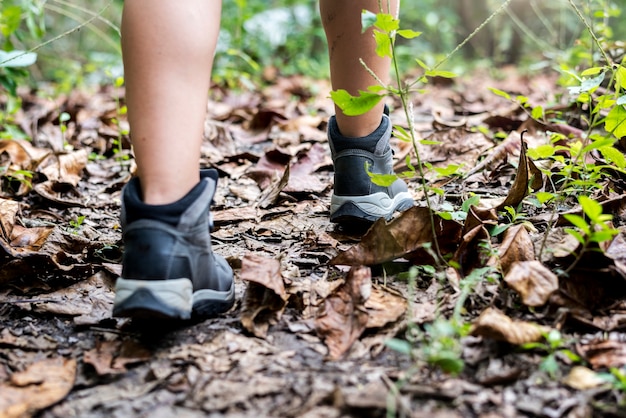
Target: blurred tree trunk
(472, 14)
(501, 40)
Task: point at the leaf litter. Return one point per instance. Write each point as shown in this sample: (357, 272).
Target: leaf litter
(316, 305)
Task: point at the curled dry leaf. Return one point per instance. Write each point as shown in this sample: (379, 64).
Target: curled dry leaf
(516, 246)
(582, 378)
(533, 281)
(400, 237)
(519, 189)
(494, 324)
(42, 384)
(343, 317)
(604, 353)
(265, 298)
(468, 255)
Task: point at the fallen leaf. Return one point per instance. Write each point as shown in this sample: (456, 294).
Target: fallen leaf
(112, 357)
(269, 196)
(301, 178)
(495, 325)
(37, 387)
(533, 281)
(603, 353)
(407, 233)
(384, 307)
(469, 255)
(265, 298)
(519, 188)
(343, 317)
(582, 378)
(516, 246)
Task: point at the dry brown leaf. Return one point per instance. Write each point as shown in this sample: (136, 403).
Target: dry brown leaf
(265, 298)
(384, 307)
(269, 167)
(516, 246)
(468, 255)
(582, 378)
(301, 178)
(494, 324)
(343, 317)
(8, 214)
(269, 196)
(400, 237)
(112, 357)
(42, 384)
(604, 353)
(519, 188)
(533, 281)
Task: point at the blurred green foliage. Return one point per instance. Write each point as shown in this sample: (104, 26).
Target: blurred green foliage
(287, 35)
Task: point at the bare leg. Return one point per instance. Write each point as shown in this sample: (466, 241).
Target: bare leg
(346, 45)
(168, 53)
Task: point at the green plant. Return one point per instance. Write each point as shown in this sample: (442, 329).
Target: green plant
(553, 347)
(76, 223)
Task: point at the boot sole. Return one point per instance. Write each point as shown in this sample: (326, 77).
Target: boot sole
(168, 299)
(368, 208)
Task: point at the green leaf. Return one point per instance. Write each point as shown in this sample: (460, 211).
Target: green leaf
(440, 73)
(537, 112)
(621, 100)
(368, 19)
(387, 23)
(449, 363)
(587, 85)
(498, 229)
(576, 234)
(578, 221)
(603, 236)
(383, 180)
(615, 121)
(597, 144)
(613, 155)
(500, 93)
(10, 20)
(401, 134)
(408, 33)
(17, 58)
(448, 170)
(544, 197)
(422, 64)
(592, 71)
(541, 152)
(401, 346)
(383, 44)
(355, 105)
(591, 208)
(429, 142)
(620, 78)
(472, 201)
(549, 365)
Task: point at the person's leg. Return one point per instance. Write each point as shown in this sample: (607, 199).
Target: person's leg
(168, 268)
(357, 141)
(346, 46)
(168, 49)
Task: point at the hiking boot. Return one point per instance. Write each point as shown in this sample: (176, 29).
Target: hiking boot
(355, 198)
(168, 267)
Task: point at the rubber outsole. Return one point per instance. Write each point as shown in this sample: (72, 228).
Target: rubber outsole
(168, 299)
(367, 208)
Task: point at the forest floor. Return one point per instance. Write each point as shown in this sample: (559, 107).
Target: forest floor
(526, 324)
